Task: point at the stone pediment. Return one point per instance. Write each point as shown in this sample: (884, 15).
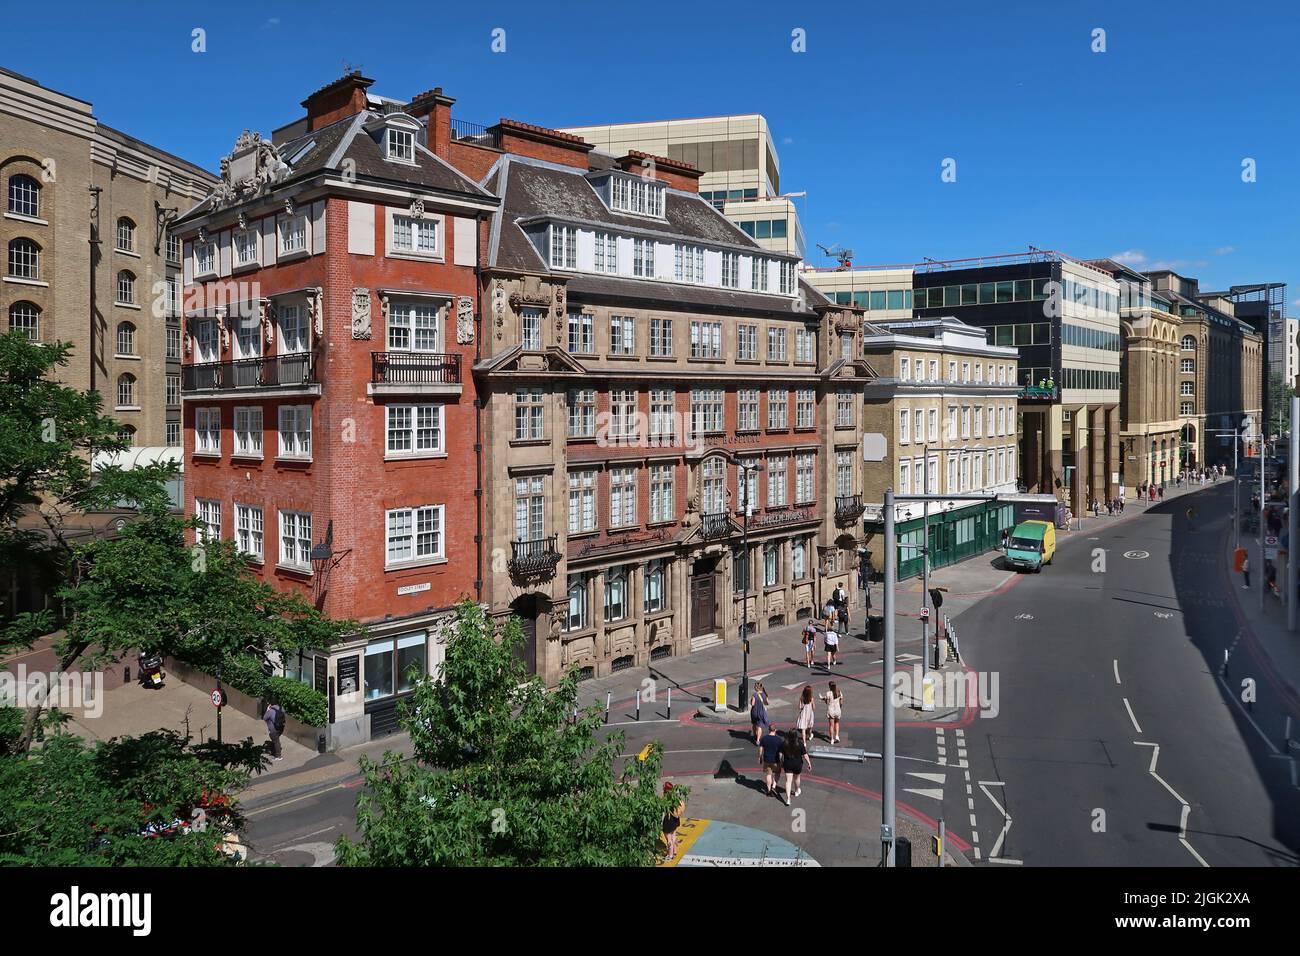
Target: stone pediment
(251, 170)
(551, 360)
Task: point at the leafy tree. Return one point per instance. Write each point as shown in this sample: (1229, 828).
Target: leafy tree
(118, 802)
(1279, 401)
(503, 775)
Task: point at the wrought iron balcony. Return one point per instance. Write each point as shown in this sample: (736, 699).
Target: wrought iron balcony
(275, 371)
(534, 557)
(415, 368)
(848, 507)
(717, 525)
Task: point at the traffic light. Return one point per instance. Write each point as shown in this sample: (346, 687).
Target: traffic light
(936, 597)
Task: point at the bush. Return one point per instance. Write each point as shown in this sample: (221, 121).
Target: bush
(300, 702)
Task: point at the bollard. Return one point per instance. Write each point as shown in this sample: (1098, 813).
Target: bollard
(941, 842)
(607, 696)
(126, 674)
(670, 703)
(1225, 662)
(638, 705)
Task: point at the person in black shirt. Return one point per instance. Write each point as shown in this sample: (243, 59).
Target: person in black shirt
(769, 755)
(793, 757)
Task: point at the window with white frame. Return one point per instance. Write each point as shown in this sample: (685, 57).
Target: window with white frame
(778, 408)
(844, 483)
(731, 270)
(582, 333)
(622, 335)
(616, 593)
(125, 338)
(293, 329)
(26, 317)
(777, 481)
(747, 478)
(706, 410)
(414, 327)
(416, 236)
(661, 337)
(805, 471)
(640, 195)
(207, 431)
(706, 340)
(622, 414)
(205, 258)
(846, 345)
(965, 474)
(1187, 366)
(918, 424)
(688, 263)
(529, 414)
(24, 196)
(582, 501)
(563, 244)
(934, 370)
(978, 417)
(965, 421)
(904, 370)
(530, 508)
(920, 370)
(295, 431)
(905, 476)
(400, 145)
(932, 478)
(747, 343)
(952, 422)
(606, 251)
(173, 295)
(656, 586)
(530, 329)
(295, 539)
(249, 531)
(413, 534)
(771, 564)
(747, 409)
(904, 426)
(1186, 409)
(663, 501)
(776, 344)
(209, 514)
(934, 424)
(643, 258)
(979, 372)
(622, 497)
(126, 390)
(582, 413)
(787, 278)
(663, 415)
(576, 617)
(293, 235)
(173, 248)
(246, 247)
(805, 408)
(758, 274)
(1187, 388)
(1002, 419)
(805, 345)
(248, 431)
(844, 408)
(799, 549)
(413, 430)
(125, 288)
(248, 337)
(713, 486)
(125, 235)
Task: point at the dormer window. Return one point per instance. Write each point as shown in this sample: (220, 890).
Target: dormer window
(205, 257)
(645, 197)
(563, 241)
(401, 145)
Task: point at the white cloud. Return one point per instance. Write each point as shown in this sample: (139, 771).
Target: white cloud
(1224, 250)
(1131, 257)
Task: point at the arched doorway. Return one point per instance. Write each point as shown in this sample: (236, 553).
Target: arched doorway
(1188, 441)
(528, 608)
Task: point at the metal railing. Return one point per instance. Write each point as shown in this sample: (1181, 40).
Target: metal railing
(275, 371)
(848, 507)
(474, 132)
(717, 525)
(530, 557)
(415, 368)
(1040, 393)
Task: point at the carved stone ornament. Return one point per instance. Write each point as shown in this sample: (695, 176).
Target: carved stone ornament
(316, 311)
(251, 170)
(383, 309)
(417, 208)
(243, 221)
(203, 234)
(464, 320)
(288, 207)
(267, 315)
(361, 314)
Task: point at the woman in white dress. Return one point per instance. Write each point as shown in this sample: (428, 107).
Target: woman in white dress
(807, 715)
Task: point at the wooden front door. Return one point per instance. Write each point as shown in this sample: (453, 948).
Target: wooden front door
(526, 608)
(704, 600)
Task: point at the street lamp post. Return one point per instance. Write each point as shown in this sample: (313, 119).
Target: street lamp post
(743, 694)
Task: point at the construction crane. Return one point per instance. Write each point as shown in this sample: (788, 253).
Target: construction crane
(845, 256)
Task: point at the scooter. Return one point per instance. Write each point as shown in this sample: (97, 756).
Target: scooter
(151, 670)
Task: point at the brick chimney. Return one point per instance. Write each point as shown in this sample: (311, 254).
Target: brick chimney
(344, 97)
(672, 172)
(437, 106)
(538, 142)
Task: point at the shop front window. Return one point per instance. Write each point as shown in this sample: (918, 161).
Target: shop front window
(393, 664)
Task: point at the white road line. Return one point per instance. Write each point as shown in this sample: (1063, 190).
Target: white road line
(997, 845)
(1187, 810)
(1003, 859)
(1245, 713)
(975, 836)
(1117, 680)
(931, 777)
(933, 794)
(973, 823)
(1131, 717)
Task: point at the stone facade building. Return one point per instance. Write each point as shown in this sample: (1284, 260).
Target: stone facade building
(90, 259)
(642, 359)
(331, 421)
(944, 414)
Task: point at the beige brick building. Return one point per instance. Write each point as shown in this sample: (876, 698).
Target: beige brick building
(87, 258)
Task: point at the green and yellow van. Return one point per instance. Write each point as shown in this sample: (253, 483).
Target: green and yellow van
(1031, 545)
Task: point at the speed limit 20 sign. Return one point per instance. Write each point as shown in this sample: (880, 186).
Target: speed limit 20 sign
(218, 698)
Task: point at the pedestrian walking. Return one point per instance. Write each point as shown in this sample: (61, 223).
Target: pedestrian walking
(840, 596)
(807, 715)
(844, 618)
(1245, 573)
(672, 820)
(769, 755)
(1191, 516)
(809, 642)
(832, 639)
(794, 755)
(1006, 536)
(1270, 577)
(1162, 492)
(758, 711)
(275, 723)
(834, 698)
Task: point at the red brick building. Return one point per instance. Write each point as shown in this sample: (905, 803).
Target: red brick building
(331, 323)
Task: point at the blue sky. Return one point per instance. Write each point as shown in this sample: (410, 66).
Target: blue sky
(1137, 150)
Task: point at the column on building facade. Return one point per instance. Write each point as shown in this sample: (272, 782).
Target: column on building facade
(1051, 449)
(1113, 452)
(1079, 484)
(1098, 441)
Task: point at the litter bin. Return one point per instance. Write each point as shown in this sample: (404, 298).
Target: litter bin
(902, 852)
(876, 627)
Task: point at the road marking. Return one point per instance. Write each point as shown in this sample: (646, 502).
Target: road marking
(793, 686)
(1117, 680)
(633, 723)
(285, 803)
(760, 676)
(932, 794)
(997, 844)
(1137, 555)
(931, 777)
(1163, 615)
(1003, 859)
(1187, 810)
(1131, 717)
(322, 854)
(972, 821)
(1024, 617)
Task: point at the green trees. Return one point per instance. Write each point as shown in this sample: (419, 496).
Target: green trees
(503, 775)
